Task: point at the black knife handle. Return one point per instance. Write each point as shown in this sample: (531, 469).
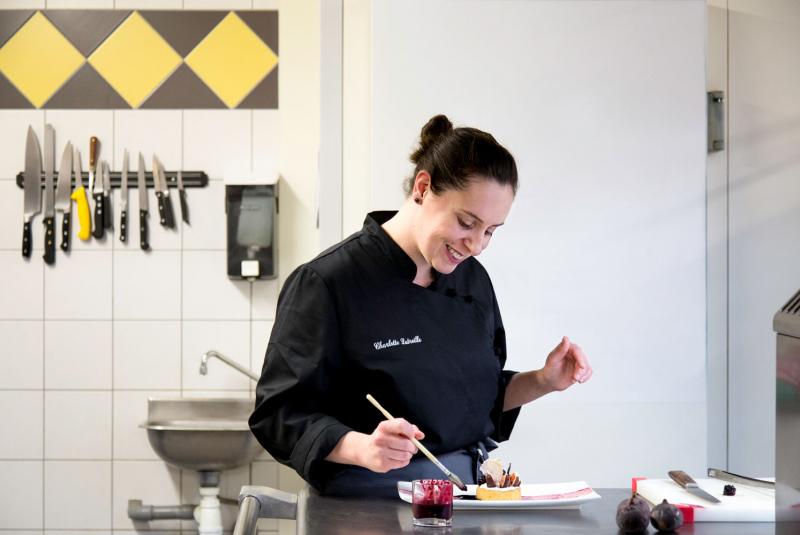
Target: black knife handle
(143, 230)
(99, 218)
(161, 209)
(65, 231)
(169, 215)
(123, 226)
(184, 206)
(49, 240)
(108, 222)
(26, 239)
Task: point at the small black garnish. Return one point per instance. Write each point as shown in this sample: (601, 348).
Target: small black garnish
(729, 490)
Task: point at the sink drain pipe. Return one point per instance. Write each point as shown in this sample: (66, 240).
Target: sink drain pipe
(208, 514)
(138, 512)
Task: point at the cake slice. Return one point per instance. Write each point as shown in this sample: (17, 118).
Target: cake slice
(500, 484)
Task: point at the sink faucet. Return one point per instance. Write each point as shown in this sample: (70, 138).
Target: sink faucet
(208, 354)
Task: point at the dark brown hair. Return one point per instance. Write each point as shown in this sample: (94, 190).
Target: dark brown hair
(454, 157)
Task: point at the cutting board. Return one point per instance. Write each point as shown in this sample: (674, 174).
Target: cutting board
(750, 504)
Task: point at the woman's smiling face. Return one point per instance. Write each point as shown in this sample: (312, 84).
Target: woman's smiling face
(457, 224)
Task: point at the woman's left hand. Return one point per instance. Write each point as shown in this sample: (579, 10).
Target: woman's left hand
(566, 365)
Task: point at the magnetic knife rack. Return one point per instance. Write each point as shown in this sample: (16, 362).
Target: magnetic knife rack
(191, 179)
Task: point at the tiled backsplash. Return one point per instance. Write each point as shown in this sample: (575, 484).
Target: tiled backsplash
(87, 340)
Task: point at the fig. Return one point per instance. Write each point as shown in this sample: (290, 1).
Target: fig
(666, 517)
(633, 514)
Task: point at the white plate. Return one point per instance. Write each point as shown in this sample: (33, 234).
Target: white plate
(538, 496)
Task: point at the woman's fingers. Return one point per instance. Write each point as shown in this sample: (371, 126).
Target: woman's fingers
(582, 369)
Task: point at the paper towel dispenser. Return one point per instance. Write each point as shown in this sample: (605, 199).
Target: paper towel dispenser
(252, 215)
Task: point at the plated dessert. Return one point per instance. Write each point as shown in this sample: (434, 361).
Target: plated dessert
(500, 484)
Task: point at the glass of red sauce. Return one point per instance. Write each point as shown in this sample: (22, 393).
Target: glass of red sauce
(432, 502)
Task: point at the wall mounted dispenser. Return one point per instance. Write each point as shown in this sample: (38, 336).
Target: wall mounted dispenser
(252, 215)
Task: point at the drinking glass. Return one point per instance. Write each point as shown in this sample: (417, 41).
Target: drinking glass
(432, 502)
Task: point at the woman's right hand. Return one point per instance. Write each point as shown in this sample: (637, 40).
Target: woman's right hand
(387, 448)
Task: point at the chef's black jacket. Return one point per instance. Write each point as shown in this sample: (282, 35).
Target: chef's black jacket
(352, 322)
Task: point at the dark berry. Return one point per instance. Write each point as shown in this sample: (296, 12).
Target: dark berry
(729, 490)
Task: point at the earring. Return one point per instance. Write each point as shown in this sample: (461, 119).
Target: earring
(417, 200)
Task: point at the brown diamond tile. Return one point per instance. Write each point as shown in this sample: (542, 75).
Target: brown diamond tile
(183, 90)
(12, 20)
(10, 97)
(264, 24)
(86, 89)
(86, 28)
(183, 29)
(264, 95)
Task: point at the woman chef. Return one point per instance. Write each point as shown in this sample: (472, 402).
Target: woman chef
(403, 311)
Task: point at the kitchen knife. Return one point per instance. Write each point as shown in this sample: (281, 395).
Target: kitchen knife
(49, 195)
(182, 197)
(123, 200)
(141, 184)
(63, 190)
(96, 187)
(682, 478)
(108, 220)
(716, 473)
(32, 202)
(79, 196)
(162, 194)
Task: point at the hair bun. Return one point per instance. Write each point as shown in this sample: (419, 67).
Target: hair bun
(437, 127)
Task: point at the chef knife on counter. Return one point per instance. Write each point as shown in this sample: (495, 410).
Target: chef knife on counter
(96, 187)
(141, 184)
(63, 191)
(162, 194)
(182, 197)
(123, 200)
(684, 480)
(32, 203)
(79, 196)
(49, 195)
(716, 473)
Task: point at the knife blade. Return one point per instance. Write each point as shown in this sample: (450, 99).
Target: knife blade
(49, 195)
(716, 473)
(123, 200)
(32, 200)
(141, 184)
(79, 196)
(63, 191)
(182, 197)
(108, 220)
(96, 188)
(162, 194)
(684, 480)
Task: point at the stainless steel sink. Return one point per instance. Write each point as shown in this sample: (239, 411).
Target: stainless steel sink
(201, 433)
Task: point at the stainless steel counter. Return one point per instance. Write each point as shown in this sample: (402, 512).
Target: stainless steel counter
(318, 515)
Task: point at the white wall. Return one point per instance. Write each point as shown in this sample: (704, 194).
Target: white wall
(603, 104)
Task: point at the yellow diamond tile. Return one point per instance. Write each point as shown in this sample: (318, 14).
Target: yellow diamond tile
(134, 59)
(231, 60)
(38, 59)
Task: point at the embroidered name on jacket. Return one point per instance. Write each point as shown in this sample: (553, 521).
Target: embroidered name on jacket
(394, 342)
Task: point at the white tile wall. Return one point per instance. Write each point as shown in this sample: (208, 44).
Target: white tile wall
(22, 501)
(22, 415)
(22, 366)
(77, 494)
(88, 340)
(78, 354)
(207, 291)
(147, 355)
(218, 142)
(147, 286)
(78, 287)
(77, 425)
(21, 286)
